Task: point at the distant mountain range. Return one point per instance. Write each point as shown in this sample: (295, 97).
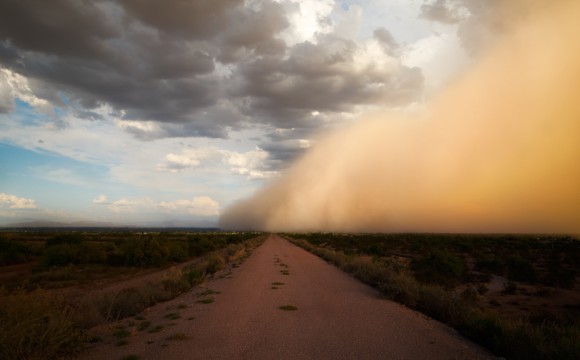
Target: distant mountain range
(58, 224)
(32, 224)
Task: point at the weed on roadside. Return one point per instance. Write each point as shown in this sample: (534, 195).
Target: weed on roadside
(130, 357)
(208, 292)
(206, 300)
(178, 337)
(23, 336)
(121, 333)
(172, 316)
(143, 325)
(122, 342)
(156, 329)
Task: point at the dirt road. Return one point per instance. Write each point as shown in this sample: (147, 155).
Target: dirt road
(337, 317)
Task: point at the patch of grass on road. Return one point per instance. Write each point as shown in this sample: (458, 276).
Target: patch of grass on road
(206, 300)
(156, 329)
(178, 337)
(173, 316)
(130, 357)
(143, 325)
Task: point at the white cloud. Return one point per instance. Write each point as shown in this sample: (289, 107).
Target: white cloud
(17, 86)
(199, 205)
(188, 158)
(308, 18)
(250, 163)
(101, 199)
(131, 205)
(14, 202)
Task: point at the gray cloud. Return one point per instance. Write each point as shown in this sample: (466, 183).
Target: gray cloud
(6, 97)
(445, 11)
(76, 28)
(322, 77)
(195, 68)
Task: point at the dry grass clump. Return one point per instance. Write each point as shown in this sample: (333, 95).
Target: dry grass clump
(36, 326)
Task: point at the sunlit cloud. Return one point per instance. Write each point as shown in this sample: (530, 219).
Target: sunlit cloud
(15, 202)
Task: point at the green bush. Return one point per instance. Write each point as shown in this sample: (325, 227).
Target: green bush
(520, 269)
(439, 267)
(215, 262)
(13, 252)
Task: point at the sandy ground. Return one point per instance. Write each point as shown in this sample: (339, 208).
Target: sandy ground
(337, 317)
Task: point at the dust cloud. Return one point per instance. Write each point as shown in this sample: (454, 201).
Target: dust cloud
(497, 151)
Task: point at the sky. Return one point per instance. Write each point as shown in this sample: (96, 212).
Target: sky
(132, 113)
(128, 112)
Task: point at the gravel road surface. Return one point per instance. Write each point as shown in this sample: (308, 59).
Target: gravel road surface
(336, 317)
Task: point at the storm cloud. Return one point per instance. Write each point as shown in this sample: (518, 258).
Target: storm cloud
(198, 68)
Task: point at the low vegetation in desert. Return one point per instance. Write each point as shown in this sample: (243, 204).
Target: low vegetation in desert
(57, 285)
(517, 295)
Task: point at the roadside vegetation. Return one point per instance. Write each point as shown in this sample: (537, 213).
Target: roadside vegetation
(534, 315)
(47, 309)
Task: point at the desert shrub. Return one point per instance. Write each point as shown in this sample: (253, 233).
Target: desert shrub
(64, 239)
(376, 250)
(178, 251)
(56, 277)
(510, 288)
(489, 263)
(62, 254)
(521, 339)
(520, 269)
(402, 288)
(126, 302)
(14, 252)
(87, 312)
(148, 252)
(439, 267)
(235, 251)
(486, 329)
(175, 283)
(193, 275)
(365, 270)
(198, 246)
(215, 262)
(36, 326)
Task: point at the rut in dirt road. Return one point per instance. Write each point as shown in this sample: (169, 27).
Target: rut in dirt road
(285, 303)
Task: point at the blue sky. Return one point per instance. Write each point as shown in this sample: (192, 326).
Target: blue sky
(101, 120)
